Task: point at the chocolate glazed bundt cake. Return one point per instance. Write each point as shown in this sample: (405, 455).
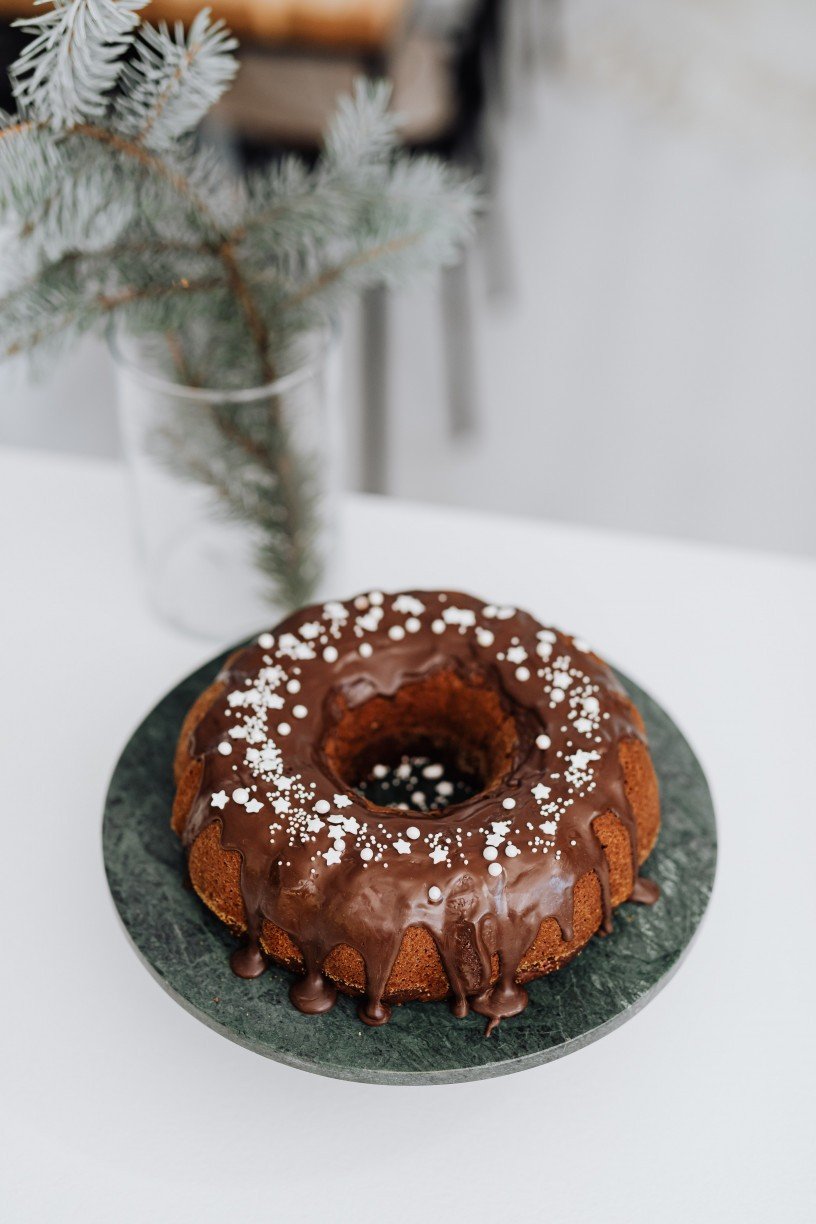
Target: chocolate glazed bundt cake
(415, 796)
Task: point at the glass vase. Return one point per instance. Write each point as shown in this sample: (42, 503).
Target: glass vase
(235, 492)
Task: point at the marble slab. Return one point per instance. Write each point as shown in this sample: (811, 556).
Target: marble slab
(187, 949)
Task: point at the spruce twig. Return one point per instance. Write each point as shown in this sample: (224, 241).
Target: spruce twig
(121, 216)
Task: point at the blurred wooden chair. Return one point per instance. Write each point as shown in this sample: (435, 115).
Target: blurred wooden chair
(329, 23)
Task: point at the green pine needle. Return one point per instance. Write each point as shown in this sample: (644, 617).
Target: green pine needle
(120, 217)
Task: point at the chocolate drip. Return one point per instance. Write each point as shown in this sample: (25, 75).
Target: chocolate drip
(645, 892)
(385, 869)
(247, 960)
(312, 994)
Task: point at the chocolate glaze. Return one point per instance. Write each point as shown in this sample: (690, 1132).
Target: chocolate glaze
(329, 868)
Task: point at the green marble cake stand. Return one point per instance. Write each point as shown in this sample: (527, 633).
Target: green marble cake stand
(187, 949)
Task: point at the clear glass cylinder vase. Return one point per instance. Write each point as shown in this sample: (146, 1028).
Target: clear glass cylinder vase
(235, 492)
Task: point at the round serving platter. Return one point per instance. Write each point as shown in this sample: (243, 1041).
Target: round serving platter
(187, 949)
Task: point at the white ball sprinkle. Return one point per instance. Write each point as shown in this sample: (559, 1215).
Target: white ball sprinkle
(522, 673)
(413, 624)
(240, 794)
(293, 686)
(490, 853)
(508, 803)
(438, 626)
(299, 711)
(380, 771)
(284, 728)
(412, 832)
(366, 854)
(366, 650)
(225, 748)
(330, 654)
(396, 633)
(435, 894)
(543, 741)
(495, 869)
(322, 806)
(375, 598)
(266, 640)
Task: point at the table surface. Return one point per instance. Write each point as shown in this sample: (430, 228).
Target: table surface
(118, 1105)
(354, 24)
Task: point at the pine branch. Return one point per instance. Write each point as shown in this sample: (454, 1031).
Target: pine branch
(86, 313)
(218, 446)
(28, 163)
(118, 214)
(174, 80)
(17, 127)
(362, 132)
(291, 208)
(180, 183)
(93, 262)
(66, 72)
(151, 163)
(248, 305)
(330, 276)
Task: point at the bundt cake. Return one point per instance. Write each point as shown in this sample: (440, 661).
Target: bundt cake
(415, 796)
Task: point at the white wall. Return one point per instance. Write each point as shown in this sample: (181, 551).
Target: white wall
(656, 369)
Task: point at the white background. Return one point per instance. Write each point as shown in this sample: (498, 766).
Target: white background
(118, 1106)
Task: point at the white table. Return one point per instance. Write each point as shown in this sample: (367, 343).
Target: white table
(118, 1106)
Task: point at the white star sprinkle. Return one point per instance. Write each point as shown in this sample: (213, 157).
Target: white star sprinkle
(266, 707)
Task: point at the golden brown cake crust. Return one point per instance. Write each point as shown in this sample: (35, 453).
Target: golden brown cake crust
(624, 833)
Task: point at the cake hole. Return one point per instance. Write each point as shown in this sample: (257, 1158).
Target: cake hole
(418, 783)
(434, 743)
